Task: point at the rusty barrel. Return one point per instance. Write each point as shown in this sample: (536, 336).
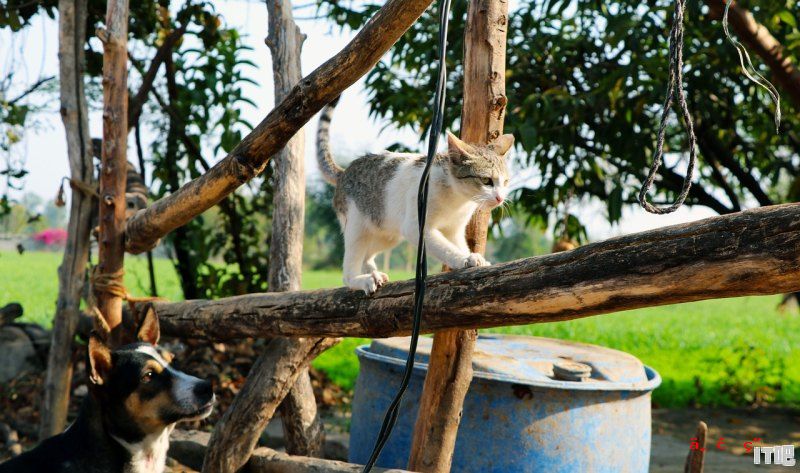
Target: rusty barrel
(535, 405)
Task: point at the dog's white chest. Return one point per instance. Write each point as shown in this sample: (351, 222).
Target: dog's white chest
(149, 455)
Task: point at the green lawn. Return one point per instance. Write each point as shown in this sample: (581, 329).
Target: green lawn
(723, 352)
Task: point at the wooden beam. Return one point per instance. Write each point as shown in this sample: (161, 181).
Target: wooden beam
(72, 272)
(755, 252)
(111, 246)
(250, 157)
(450, 369)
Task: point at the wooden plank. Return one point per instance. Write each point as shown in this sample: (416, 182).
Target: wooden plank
(250, 157)
(755, 252)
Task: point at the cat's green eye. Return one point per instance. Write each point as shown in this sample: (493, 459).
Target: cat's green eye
(487, 181)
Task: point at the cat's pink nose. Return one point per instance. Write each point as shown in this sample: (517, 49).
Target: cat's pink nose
(498, 199)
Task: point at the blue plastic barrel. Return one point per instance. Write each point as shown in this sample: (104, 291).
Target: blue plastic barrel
(534, 405)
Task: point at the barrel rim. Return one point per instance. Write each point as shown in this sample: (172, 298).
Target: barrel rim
(653, 378)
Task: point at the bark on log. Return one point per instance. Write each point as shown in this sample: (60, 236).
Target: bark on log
(250, 157)
(755, 252)
(758, 39)
(72, 272)
(272, 375)
(189, 448)
(450, 370)
(111, 241)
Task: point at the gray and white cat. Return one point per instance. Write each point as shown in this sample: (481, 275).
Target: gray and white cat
(376, 201)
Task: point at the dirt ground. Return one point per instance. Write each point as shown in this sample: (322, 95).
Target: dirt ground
(728, 430)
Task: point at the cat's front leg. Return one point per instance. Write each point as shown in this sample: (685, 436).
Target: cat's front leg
(449, 253)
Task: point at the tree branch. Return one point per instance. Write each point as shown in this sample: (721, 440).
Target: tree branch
(726, 158)
(164, 51)
(250, 157)
(752, 252)
(30, 90)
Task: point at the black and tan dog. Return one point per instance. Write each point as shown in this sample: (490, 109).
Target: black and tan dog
(135, 398)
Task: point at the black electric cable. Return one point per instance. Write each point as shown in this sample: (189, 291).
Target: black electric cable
(422, 261)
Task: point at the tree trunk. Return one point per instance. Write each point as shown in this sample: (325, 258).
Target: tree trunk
(270, 379)
(450, 368)
(111, 244)
(758, 39)
(186, 264)
(755, 252)
(250, 157)
(72, 272)
(302, 425)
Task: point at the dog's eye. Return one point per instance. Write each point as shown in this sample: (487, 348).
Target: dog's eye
(147, 377)
(487, 181)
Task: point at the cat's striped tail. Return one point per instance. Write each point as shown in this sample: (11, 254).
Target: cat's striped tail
(327, 166)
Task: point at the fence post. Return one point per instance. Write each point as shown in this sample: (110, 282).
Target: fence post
(450, 367)
(111, 245)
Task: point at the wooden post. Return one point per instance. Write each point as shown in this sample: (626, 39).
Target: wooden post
(450, 368)
(302, 425)
(111, 248)
(270, 379)
(72, 272)
(696, 458)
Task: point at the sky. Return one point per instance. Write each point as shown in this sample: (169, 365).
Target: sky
(353, 132)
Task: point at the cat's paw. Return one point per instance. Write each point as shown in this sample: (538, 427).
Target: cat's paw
(475, 259)
(380, 278)
(369, 283)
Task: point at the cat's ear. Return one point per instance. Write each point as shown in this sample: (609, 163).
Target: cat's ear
(503, 144)
(454, 143)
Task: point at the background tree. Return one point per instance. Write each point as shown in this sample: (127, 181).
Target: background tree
(188, 72)
(585, 85)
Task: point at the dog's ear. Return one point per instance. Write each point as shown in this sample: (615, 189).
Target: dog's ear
(99, 360)
(149, 330)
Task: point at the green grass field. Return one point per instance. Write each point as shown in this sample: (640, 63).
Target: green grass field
(723, 352)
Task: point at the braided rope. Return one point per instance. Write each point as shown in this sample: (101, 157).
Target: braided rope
(111, 283)
(674, 86)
